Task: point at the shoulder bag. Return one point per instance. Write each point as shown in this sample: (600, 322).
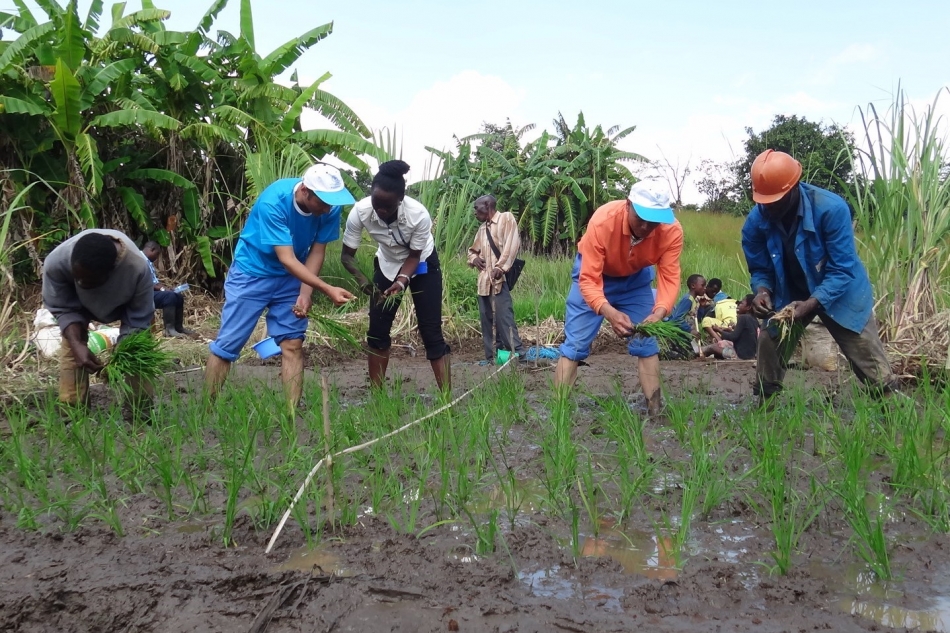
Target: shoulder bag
(516, 266)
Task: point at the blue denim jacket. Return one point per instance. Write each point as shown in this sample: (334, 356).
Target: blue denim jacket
(825, 249)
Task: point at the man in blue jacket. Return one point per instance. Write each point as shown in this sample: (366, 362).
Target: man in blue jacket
(799, 246)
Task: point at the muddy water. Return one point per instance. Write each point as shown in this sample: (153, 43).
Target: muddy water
(160, 578)
(314, 558)
(926, 608)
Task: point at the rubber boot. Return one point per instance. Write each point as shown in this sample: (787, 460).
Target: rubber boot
(180, 321)
(73, 381)
(378, 361)
(291, 371)
(168, 316)
(442, 368)
(216, 372)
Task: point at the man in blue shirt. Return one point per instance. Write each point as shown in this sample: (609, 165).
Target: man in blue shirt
(279, 254)
(799, 246)
(171, 303)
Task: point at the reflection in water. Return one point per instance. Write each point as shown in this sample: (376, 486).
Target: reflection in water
(901, 618)
(546, 583)
(872, 599)
(524, 495)
(305, 559)
(637, 552)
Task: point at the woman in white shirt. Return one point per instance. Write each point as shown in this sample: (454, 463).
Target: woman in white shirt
(405, 259)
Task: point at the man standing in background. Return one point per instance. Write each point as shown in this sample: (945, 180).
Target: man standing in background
(496, 246)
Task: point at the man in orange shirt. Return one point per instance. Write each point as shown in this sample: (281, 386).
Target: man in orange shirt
(612, 280)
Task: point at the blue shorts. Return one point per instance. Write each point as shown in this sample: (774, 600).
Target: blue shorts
(631, 295)
(245, 299)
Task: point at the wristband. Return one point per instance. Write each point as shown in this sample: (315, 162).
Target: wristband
(403, 275)
(402, 286)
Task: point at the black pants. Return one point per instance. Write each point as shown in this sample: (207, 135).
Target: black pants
(426, 291)
(165, 298)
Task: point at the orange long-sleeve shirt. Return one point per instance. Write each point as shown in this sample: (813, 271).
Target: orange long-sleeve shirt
(605, 250)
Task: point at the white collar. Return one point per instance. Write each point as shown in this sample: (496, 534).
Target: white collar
(296, 206)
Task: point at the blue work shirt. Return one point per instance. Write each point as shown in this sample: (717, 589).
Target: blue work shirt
(276, 221)
(825, 248)
(151, 268)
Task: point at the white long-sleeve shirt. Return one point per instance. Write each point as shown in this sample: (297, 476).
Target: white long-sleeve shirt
(411, 230)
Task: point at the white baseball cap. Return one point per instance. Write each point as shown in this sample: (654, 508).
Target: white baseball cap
(651, 201)
(327, 184)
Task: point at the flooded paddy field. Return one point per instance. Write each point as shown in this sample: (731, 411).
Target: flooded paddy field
(516, 510)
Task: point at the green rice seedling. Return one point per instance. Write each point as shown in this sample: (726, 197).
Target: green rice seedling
(666, 333)
(26, 519)
(790, 512)
(407, 515)
(137, 356)
(486, 532)
(559, 450)
(679, 411)
(590, 492)
(575, 516)
(334, 330)
(69, 504)
(507, 481)
(301, 515)
(106, 512)
(851, 488)
(238, 461)
(634, 468)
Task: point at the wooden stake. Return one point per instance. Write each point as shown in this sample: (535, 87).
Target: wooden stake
(325, 388)
(700, 332)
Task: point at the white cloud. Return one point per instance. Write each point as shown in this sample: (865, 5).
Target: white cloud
(457, 106)
(851, 55)
(855, 53)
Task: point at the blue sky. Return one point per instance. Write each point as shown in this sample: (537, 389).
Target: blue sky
(690, 75)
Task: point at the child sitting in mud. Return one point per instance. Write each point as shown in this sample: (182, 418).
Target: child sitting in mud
(738, 341)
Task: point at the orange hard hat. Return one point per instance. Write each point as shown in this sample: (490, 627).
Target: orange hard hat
(773, 175)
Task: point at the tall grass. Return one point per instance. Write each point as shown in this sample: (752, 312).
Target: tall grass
(902, 208)
(712, 247)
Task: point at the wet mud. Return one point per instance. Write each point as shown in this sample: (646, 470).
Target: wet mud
(168, 576)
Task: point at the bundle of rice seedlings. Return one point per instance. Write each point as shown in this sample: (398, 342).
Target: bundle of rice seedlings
(333, 330)
(783, 320)
(666, 333)
(137, 355)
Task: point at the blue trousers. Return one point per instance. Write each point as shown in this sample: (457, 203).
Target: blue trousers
(632, 295)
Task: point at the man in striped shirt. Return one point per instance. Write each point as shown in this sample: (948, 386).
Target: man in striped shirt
(492, 258)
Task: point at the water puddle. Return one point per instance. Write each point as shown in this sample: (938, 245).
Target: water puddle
(883, 602)
(937, 619)
(548, 583)
(652, 555)
(637, 552)
(521, 495)
(305, 559)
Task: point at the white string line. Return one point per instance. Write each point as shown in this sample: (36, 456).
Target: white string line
(353, 449)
